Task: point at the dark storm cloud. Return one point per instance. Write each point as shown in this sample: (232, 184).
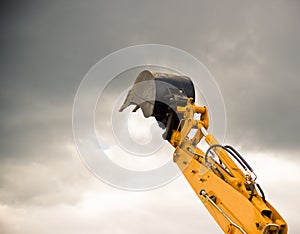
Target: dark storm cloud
(258, 73)
(254, 60)
(46, 48)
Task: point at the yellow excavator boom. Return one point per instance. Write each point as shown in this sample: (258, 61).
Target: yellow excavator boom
(221, 177)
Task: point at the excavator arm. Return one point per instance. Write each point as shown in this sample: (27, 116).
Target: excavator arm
(221, 177)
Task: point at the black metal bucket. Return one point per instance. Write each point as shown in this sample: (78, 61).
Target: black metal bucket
(158, 95)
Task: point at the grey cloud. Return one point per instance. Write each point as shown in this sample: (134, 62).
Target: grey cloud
(49, 180)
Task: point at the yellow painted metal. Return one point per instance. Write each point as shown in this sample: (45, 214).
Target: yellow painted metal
(225, 184)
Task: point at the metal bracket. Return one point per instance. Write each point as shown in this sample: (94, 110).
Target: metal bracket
(270, 225)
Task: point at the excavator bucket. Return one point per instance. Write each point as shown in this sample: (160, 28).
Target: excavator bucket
(158, 95)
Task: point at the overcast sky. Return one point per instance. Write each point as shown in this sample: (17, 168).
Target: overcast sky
(251, 48)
